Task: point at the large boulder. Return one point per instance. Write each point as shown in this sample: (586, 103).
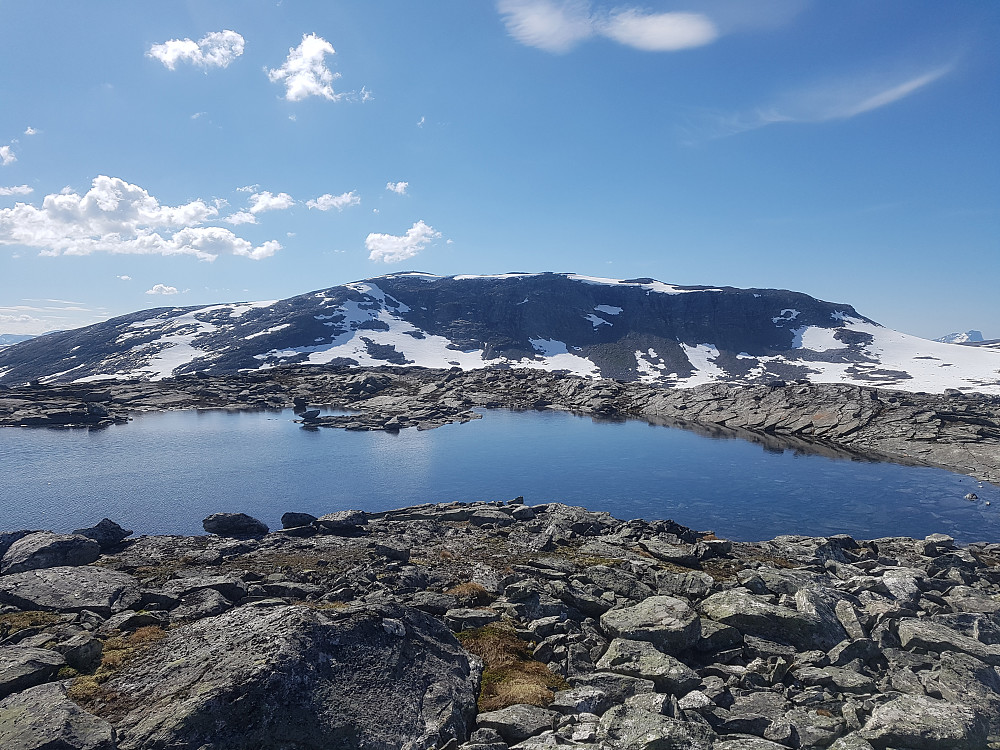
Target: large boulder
(106, 533)
(751, 615)
(70, 589)
(256, 678)
(23, 667)
(519, 722)
(922, 723)
(642, 659)
(629, 728)
(667, 622)
(236, 525)
(43, 549)
(43, 718)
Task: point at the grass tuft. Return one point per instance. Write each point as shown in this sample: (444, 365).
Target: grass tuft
(510, 674)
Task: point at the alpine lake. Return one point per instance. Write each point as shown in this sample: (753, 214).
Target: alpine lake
(162, 473)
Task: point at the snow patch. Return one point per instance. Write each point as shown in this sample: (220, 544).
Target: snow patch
(608, 309)
(596, 321)
(816, 338)
(273, 329)
(786, 314)
(702, 358)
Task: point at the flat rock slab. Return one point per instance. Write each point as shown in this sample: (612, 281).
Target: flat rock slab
(22, 667)
(667, 622)
(43, 549)
(43, 718)
(255, 678)
(70, 589)
(642, 659)
(740, 609)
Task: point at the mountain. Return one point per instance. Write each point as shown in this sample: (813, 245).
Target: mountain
(969, 337)
(634, 329)
(9, 339)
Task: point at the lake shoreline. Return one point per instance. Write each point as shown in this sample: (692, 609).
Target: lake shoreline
(956, 431)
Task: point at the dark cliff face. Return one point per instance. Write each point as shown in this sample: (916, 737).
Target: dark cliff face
(630, 330)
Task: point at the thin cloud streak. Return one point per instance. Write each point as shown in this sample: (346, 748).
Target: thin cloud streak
(839, 100)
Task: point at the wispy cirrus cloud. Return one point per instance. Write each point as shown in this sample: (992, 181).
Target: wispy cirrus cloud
(390, 248)
(217, 49)
(839, 99)
(559, 25)
(115, 216)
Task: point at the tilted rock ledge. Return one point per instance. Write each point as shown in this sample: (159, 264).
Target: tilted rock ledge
(956, 431)
(488, 626)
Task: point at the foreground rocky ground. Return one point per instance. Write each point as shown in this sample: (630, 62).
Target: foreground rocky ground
(489, 626)
(957, 431)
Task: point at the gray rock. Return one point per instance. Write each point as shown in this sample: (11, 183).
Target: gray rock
(581, 700)
(82, 651)
(693, 584)
(106, 533)
(43, 549)
(642, 659)
(22, 667)
(747, 742)
(465, 619)
(933, 636)
(629, 728)
(617, 687)
(43, 718)
(70, 589)
(923, 723)
(517, 723)
(853, 741)
(289, 676)
(292, 520)
(231, 588)
(754, 616)
(235, 525)
(198, 604)
(343, 521)
(961, 678)
(667, 622)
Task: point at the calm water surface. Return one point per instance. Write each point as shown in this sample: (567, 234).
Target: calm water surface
(163, 473)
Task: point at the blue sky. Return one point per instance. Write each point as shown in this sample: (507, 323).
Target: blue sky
(183, 153)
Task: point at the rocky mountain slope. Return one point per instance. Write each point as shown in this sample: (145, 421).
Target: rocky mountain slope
(632, 330)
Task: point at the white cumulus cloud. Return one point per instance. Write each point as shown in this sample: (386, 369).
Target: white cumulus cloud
(16, 190)
(389, 248)
(6, 155)
(241, 217)
(397, 187)
(125, 278)
(304, 73)
(162, 289)
(30, 131)
(340, 202)
(115, 216)
(214, 50)
(265, 201)
(559, 25)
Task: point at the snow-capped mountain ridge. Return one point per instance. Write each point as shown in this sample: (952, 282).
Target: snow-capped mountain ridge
(633, 329)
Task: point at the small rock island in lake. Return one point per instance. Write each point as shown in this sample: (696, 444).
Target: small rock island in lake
(490, 625)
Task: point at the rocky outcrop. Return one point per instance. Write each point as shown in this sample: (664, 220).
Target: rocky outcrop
(331, 636)
(957, 431)
(269, 675)
(44, 549)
